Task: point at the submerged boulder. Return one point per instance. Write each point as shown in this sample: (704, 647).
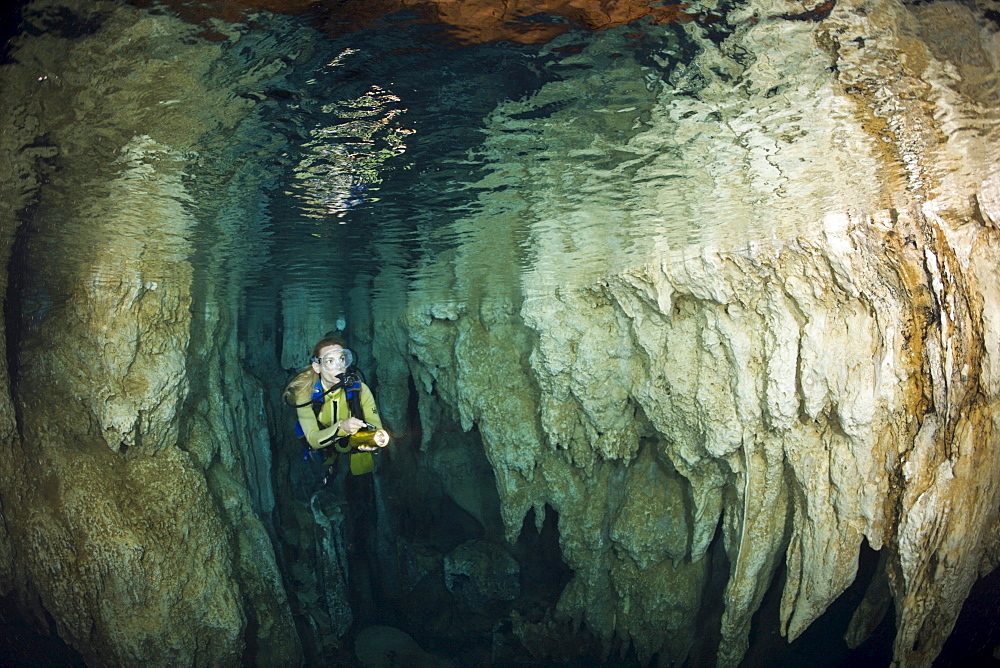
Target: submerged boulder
(481, 574)
(385, 646)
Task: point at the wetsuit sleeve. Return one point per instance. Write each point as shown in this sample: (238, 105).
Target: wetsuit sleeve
(315, 435)
(370, 409)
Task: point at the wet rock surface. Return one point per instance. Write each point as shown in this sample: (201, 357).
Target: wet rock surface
(793, 395)
(794, 366)
(130, 479)
(480, 574)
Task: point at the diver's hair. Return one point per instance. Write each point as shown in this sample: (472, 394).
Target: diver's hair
(299, 390)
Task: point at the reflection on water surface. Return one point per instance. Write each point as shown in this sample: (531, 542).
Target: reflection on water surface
(398, 148)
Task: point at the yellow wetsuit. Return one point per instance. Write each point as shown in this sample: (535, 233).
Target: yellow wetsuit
(322, 432)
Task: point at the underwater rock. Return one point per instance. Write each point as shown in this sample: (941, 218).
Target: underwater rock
(460, 467)
(384, 646)
(131, 494)
(807, 369)
(480, 574)
(331, 563)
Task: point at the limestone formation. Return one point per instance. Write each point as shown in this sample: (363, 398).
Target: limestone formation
(481, 574)
(726, 306)
(132, 497)
(809, 369)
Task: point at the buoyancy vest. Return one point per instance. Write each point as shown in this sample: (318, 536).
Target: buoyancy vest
(361, 462)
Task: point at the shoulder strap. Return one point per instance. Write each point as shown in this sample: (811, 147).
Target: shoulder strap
(318, 397)
(354, 401)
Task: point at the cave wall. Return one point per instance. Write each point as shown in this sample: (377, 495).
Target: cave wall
(810, 368)
(136, 491)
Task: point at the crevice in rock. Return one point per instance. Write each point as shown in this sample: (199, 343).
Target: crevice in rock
(976, 638)
(544, 572)
(23, 643)
(18, 267)
(709, 619)
(822, 643)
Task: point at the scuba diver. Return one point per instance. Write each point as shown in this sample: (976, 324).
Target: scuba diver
(336, 412)
(339, 424)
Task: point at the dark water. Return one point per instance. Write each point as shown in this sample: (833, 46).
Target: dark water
(385, 160)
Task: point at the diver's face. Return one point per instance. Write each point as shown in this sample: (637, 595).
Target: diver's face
(332, 363)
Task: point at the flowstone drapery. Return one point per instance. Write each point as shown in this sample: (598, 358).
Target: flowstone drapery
(808, 371)
(137, 474)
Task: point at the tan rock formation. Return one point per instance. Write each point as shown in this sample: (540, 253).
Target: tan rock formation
(125, 498)
(799, 357)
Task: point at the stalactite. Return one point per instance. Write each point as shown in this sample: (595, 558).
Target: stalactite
(813, 388)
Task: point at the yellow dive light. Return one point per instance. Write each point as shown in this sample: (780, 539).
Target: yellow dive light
(370, 438)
